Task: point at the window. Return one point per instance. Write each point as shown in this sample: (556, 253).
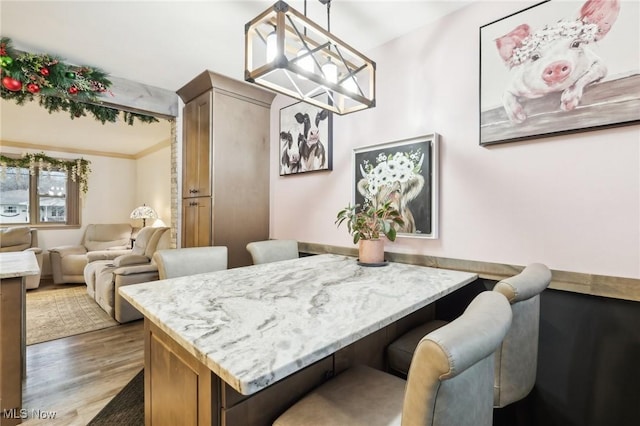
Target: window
(39, 193)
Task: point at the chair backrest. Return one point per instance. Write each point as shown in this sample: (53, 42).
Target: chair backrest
(181, 262)
(104, 236)
(450, 380)
(147, 240)
(272, 250)
(517, 357)
(18, 238)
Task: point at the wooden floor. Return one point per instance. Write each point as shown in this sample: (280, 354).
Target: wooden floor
(75, 377)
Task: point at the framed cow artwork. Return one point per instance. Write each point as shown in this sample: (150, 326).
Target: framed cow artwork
(306, 139)
(406, 173)
(560, 67)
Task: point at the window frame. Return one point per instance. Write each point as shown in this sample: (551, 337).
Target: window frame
(72, 201)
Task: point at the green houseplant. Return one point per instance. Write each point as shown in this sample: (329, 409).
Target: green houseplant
(366, 224)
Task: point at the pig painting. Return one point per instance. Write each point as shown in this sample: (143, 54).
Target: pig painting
(556, 58)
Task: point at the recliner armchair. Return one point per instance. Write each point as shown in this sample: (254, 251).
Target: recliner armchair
(105, 277)
(22, 238)
(68, 262)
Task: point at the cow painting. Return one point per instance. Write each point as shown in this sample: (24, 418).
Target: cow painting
(305, 139)
(290, 157)
(312, 151)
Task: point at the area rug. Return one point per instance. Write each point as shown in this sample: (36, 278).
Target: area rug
(58, 313)
(126, 408)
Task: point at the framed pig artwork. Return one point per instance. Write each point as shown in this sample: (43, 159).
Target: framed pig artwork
(306, 139)
(405, 173)
(560, 67)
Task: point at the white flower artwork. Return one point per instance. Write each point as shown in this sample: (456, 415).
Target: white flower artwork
(402, 173)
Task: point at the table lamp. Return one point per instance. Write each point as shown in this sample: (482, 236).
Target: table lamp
(144, 212)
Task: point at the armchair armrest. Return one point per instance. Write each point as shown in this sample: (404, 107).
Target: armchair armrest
(131, 259)
(130, 275)
(67, 250)
(105, 254)
(137, 269)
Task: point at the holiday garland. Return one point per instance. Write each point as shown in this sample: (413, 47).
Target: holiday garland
(79, 167)
(58, 86)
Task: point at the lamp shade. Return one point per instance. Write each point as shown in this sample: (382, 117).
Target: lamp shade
(144, 212)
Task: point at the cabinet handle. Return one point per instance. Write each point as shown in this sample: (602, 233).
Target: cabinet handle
(194, 191)
(193, 203)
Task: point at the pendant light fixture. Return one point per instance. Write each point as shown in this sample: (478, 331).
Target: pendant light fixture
(290, 54)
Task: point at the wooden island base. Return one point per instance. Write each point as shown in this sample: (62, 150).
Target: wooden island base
(179, 389)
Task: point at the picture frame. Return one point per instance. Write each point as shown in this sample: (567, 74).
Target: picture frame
(306, 139)
(559, 67)
(406, 172)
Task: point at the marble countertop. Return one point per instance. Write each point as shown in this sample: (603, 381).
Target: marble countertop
(255, 325)
(18, 264)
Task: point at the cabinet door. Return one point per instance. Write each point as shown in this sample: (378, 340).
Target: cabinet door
(196, 177)
(196, 222)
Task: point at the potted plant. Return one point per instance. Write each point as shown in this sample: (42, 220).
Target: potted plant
(366, 225)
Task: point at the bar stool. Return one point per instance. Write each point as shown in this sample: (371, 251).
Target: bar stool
(450, 379)
(181, 262)
(516, 358)
(272, 250)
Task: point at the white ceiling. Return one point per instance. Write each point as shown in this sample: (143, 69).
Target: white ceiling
(166, 44)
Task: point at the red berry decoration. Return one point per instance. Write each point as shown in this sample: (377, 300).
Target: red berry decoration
(33, 88)
(73, 90)
(12, 84)
(44, 71)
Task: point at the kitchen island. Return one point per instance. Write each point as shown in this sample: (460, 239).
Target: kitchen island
(14, 267)
(241, 345)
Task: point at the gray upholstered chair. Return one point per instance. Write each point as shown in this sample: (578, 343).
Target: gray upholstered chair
(516, 359)
(190, 261)
(272, 250)
(450, 380)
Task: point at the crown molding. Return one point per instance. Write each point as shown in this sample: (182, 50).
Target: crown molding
(49, 148)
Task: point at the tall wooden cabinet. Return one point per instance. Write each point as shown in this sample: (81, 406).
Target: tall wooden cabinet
(225, 164)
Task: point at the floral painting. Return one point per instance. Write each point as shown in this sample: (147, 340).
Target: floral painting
(405, 173)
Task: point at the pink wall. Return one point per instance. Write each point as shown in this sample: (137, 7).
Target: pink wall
(571, 202)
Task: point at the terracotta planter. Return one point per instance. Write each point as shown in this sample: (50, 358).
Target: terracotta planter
(371, 251)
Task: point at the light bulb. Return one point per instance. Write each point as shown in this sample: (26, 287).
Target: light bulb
(272, 46)
(330, 71)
